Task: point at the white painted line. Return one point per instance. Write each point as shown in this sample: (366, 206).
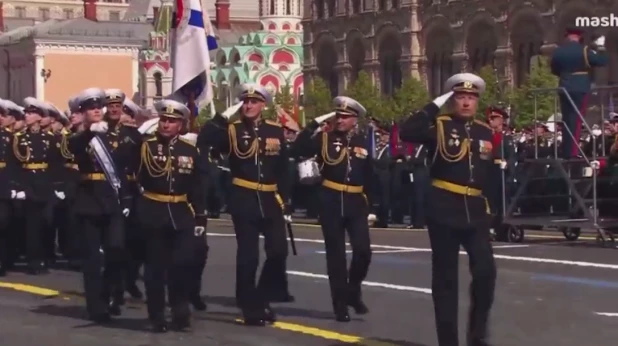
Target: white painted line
(509, 246)
(607, 314)
(503, 257)
(374, 251)
(366, 283)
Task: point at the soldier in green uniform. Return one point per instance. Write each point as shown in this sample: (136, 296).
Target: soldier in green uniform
(572, 62)
(461, 148)
(503, 167)
(172, 213)
(258, 162)
(345, 200)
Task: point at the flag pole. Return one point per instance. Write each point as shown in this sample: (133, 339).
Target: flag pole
(191, 105)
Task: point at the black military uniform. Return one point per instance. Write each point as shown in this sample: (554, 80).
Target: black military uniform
(462, 157)
(419, 184)
(101, 200)
(346, 197)
(258, 164)
(8, 177)
(38, 153)
(126, 141)
(173, 175)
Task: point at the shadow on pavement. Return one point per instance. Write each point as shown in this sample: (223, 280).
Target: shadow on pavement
(278, 308)
(79, 313)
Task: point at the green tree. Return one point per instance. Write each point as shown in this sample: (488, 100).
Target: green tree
(540, 77)
(317, 99)
(412, 96)
(491, 96)
(285, 99)
(364, 91)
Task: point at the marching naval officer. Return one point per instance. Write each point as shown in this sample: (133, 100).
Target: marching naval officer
(102, 202)
(461, 148)
(258, 164)
(172, 212)
(347, 172)
(38, 153)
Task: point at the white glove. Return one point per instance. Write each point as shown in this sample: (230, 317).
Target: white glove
(600, 42)
(13, 194)
(323, 118)
(126, 212)
(20, 195)
(199, 231)
(287, 218)
(522, 139)
(231, 111)
(503, 165)
(595, 164)
(100, 127)
(441, 100)
(60, 195)
(372, 217)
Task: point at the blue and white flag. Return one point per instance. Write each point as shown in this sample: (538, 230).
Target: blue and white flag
(190, 59)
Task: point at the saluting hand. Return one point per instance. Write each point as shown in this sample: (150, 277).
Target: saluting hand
(99, 127)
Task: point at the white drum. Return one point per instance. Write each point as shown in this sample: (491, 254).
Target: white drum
(309, 172)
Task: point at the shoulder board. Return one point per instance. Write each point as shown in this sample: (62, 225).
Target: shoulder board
(8, 129)
(236, 122)
(19, 133)
(482, 123)
(273, 123)
(187, 142)
(444, 117)
(130, 125)
(151, 139)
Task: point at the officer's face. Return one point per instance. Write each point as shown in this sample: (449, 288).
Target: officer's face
(346, 122)
(7, 120)
(93, 114)
(251, 108)
(496, 122)
(19, 124)
(465, 104)
(169, 127)
(114, 110)
(32, 117)
(289, 135)
(57, 126)
(46, 120)
(76, 118)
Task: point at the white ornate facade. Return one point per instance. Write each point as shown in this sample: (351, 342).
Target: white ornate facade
(272, 56)
(113, 10)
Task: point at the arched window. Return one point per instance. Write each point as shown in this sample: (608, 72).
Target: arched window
(272, 6)
(288, 7)
(158, 84)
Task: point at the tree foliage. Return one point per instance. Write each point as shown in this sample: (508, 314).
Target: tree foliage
(492, 95)
(317, 99)
(412, 96)
(364, 91)
(540, 77)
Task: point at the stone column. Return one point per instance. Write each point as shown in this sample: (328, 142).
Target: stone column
(409, 68)
(504, 64)
(460, 62)
(39, 81)
(343, 71)
(373, 69)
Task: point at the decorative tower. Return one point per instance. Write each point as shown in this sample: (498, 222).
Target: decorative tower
(281, 15)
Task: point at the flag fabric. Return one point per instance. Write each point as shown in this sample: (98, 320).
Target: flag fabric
(211, 39)
(190, 57)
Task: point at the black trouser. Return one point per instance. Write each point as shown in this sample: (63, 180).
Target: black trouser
(65, 224)
(136, 251)
(572, 121)
(445, 243)
(273, 280)
(346, 286)
(106, 233)
(197, 268)
(170, 259)
(5, 220)
(37, 229)
(419, 187)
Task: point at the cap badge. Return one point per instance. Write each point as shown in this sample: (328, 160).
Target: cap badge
(467, 85)
(170, 109)
(251, 90)
(344, 104)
